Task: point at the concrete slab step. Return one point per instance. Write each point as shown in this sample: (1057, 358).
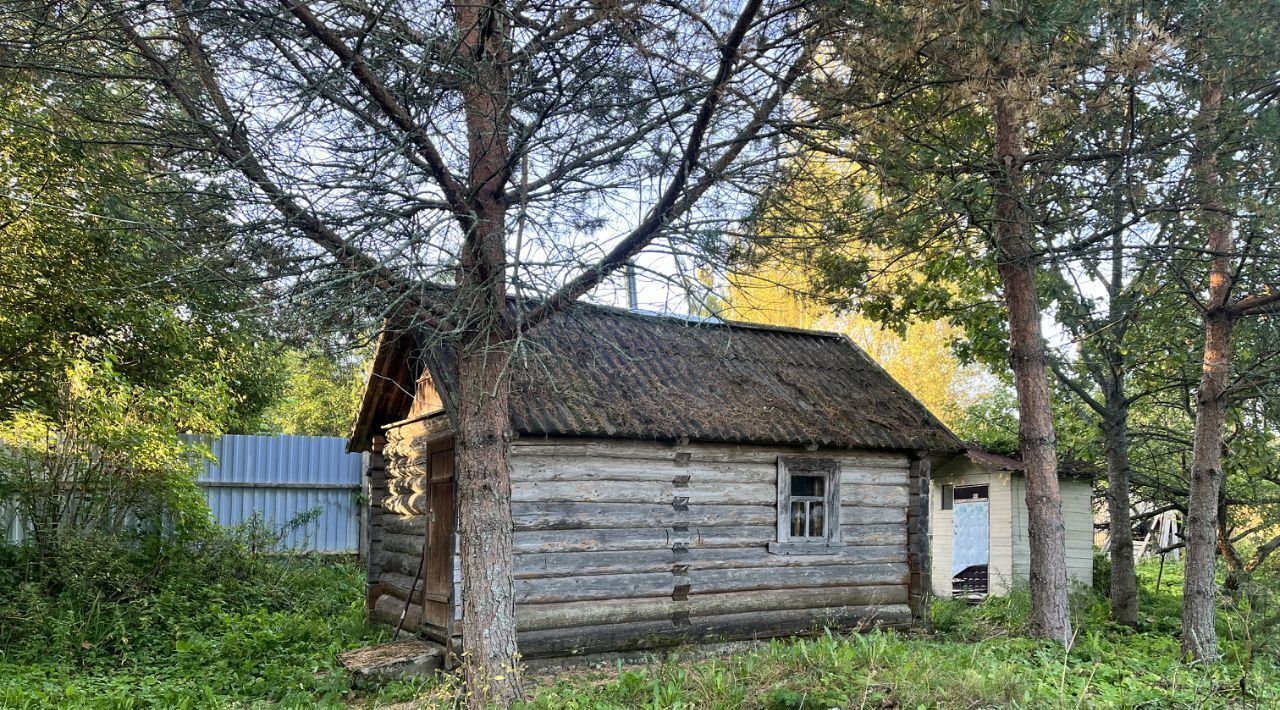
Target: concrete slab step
(388, 661)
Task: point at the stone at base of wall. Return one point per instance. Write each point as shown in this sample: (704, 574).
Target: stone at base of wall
(388, 661)
(642, 657)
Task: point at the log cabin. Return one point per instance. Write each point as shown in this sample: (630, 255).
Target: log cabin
(674, 481)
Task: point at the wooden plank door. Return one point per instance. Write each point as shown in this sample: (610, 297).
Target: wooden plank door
(438, 564)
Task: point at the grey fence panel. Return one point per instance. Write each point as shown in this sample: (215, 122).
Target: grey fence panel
(282, 477)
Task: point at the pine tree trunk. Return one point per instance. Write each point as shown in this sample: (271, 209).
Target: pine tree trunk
(1115, 421)
(1050, 617)
(1199, 636)
(1124, 576)
(490, 660)
(485, 528)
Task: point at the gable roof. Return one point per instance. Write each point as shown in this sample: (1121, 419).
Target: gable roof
(599, 371)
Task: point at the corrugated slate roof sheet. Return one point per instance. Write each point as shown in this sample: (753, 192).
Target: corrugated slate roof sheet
(994, 461)
(1067, 467)
(598, 371)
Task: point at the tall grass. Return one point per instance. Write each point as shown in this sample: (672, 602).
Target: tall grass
(977, 657)
(227, 627)
(208, 622)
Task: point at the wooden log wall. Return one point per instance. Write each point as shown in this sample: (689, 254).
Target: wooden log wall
(918, 560)
(375, 488)
(628, 545)
(399, 502)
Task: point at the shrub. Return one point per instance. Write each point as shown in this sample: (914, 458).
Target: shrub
(109, 463)
(1102, 574)
(202, 621)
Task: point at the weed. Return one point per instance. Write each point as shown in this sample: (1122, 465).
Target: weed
(217, 631)
(202, 624)
(977, 657)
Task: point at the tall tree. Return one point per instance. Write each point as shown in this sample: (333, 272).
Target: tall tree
(936, 105)
(1227, 60)
(1037, 440)
(104, 264)
(1107, 352)
(400, 144)
(1106, 281)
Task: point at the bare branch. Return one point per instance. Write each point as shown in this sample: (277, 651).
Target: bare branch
(662, 212)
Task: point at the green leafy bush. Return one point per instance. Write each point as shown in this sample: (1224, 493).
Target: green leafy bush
(109, 463)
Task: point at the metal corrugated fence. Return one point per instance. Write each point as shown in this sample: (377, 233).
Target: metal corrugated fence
(282, 477)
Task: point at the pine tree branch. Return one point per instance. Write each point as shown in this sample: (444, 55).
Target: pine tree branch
(670, 200)
(454, 193)
(229, 141)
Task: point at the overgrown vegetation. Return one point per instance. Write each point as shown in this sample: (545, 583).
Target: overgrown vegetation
(202, 623)
(121, 592)
(320, 395)
(209, 624)
(977, 657)
(196, 195)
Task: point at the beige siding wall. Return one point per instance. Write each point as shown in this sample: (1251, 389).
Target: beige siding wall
(623, 545)
(941, 533)
(1077, 515)
(1021, 544)
(1010, 550)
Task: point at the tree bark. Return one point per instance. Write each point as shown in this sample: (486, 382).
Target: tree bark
(485, 527)
(1124, 576)
(1237, 575)
(1199, 636)
(1115, 421)
(1050, 616)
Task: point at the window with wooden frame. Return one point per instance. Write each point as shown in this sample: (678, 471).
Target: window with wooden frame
(808, 505)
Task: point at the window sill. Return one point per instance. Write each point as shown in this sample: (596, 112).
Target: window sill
(805, 548)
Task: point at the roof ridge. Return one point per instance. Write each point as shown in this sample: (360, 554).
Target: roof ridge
(707, 322)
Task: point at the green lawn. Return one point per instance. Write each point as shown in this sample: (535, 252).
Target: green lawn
(269, 640)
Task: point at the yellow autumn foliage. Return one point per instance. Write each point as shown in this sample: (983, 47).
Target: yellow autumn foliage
(921, 359)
